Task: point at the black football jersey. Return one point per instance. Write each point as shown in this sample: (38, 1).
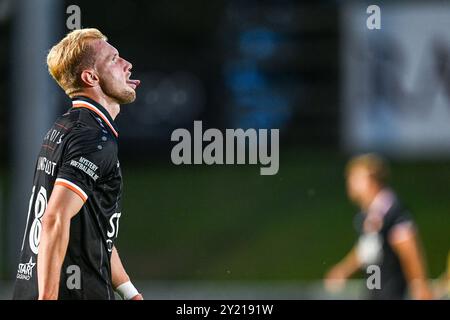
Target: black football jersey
(80, 153)
(375, 249)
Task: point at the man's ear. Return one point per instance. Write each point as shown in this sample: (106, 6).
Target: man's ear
(89, 78)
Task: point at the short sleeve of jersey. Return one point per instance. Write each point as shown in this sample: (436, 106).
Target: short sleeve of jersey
(86, 159)
(396, 217)
(398, 223)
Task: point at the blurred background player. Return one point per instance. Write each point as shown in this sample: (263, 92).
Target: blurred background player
(388, 237)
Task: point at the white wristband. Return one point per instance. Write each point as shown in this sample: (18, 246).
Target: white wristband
(127, 290)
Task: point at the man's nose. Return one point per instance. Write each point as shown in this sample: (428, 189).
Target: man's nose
(128, 66)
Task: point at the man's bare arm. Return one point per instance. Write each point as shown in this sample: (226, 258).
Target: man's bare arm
(335, 278)
(62, 206)
(119, 275)
(406, 245)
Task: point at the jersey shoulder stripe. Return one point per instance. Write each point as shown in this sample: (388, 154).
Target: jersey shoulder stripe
(87, 105)
(72, 186)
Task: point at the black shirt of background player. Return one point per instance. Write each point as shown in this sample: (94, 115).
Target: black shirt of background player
(392, 217)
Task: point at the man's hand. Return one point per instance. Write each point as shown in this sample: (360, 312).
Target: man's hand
(335, 279)
(138, 297)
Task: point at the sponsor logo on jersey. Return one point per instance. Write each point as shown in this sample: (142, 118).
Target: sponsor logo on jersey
(46, 165)
(112, 234)
(86, 166)
(25, 270)
(54, 136)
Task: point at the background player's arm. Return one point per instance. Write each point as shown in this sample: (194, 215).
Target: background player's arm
(62, 206)
(336, 277)
(405, 244)
(119, 275)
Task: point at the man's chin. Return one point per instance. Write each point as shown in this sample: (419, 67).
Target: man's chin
(128, 97)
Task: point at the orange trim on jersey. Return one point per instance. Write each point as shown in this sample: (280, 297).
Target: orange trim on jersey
(98, 112)
(68, 186)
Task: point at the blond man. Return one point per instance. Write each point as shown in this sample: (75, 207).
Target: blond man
(388, 239)
(68, 247)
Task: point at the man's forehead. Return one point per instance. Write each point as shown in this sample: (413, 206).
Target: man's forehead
(359, 170)
(104, 48)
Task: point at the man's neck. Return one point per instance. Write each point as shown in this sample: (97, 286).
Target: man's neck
(111, 106)
(369, 199)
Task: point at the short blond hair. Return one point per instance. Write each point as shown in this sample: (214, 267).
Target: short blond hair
(376, 166)
(68, 58)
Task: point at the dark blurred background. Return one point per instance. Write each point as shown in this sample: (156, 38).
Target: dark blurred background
(311, 69)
